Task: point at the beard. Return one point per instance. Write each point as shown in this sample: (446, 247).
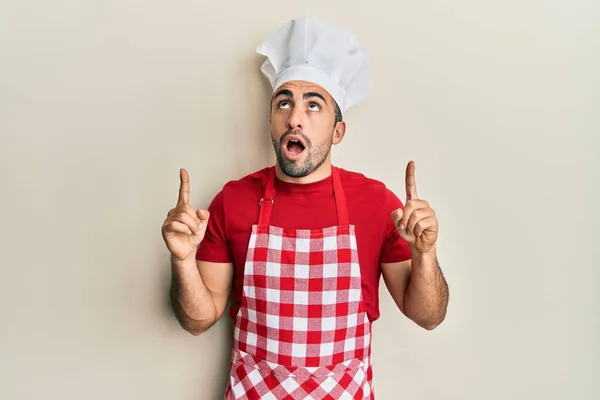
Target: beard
(315, 155)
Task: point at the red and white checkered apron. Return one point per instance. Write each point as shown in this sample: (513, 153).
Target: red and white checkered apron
(301, 331)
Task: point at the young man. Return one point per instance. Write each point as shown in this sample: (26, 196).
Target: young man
(299, 247)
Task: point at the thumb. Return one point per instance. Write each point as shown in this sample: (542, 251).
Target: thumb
(397, 216)
(203, 215)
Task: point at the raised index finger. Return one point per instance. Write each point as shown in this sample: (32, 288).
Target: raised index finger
(411, 185)
(184, 187)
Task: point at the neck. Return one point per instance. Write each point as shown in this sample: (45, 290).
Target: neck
(322, 172)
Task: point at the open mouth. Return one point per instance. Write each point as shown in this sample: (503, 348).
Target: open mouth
(293, 146)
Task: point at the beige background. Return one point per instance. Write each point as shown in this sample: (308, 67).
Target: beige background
(101, 102)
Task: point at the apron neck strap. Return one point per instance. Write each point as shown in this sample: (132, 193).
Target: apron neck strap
(266, 203)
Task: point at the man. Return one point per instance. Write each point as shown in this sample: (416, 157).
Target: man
(300, 246)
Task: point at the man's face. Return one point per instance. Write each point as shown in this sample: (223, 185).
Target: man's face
(302, 127)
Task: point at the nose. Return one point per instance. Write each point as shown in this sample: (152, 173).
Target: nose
(296, 119)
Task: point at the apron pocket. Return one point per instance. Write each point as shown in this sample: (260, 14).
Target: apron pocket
(252, 378)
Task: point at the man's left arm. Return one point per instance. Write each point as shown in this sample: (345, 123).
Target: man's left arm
(418, 288)
(417, 285)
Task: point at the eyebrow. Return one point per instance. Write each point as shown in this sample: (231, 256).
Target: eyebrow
(315, 94)
(283, 92)
(289, 93)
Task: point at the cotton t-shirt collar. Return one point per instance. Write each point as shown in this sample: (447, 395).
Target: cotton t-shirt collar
(323, 185)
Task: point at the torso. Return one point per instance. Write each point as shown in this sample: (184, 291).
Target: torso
(311, 206)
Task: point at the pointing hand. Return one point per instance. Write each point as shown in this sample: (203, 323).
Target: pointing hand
(417, 223)
(184, 227)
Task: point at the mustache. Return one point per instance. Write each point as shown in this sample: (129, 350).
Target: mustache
(296, 132)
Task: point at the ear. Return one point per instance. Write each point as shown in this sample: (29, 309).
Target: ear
(339, 132)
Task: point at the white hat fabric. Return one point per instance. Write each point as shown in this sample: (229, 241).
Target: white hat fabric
(319, 52)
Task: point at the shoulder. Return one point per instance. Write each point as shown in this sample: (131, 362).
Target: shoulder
(251, 182)
(236, 201)
(370, 195)
(245, 191)
(357, 178)
(359, 184)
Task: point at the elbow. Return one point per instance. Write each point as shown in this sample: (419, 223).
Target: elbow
(426, 320)
(429, 326)
(195, 331)
(428, 317)
(192, 326)
(432, 323)
(195, 328)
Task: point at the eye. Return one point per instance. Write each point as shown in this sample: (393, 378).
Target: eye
(284, 104)
(314, 107)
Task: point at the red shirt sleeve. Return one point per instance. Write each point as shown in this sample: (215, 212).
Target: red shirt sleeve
(394, 249)
(213, 247)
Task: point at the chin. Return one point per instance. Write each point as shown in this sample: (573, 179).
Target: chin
(294, 169)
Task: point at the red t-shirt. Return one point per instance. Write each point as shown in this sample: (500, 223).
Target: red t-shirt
(235, 209)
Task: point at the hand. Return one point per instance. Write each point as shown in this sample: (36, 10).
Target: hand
(417, 223)
(184, 228)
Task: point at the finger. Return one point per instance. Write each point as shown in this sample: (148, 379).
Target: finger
(188, 220)
(423, 225)
(406, 214)
(203, 214)
(184, 187)
(183, 209)
(397, 216)
(176, 226)
(411, 185)
(405, 234)
(411, 207)
(417, 216)
(187, 209)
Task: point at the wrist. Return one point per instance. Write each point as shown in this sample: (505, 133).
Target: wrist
(183, 263)
(428, 255)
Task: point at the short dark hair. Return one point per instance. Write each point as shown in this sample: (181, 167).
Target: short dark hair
(338, 113)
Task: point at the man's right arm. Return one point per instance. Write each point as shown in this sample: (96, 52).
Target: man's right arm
(199, 292)
(199, 289)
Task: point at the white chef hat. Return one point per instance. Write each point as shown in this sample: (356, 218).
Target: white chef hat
(319, 52)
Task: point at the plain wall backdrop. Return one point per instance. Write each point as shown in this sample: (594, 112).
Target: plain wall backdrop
(101, 103)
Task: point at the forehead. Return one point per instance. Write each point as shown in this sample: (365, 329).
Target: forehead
(299, 88)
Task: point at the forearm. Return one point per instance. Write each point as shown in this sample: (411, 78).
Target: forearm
(190, 298)
(426, 297)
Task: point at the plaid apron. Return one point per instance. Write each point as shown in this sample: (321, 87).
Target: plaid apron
(301, 331)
